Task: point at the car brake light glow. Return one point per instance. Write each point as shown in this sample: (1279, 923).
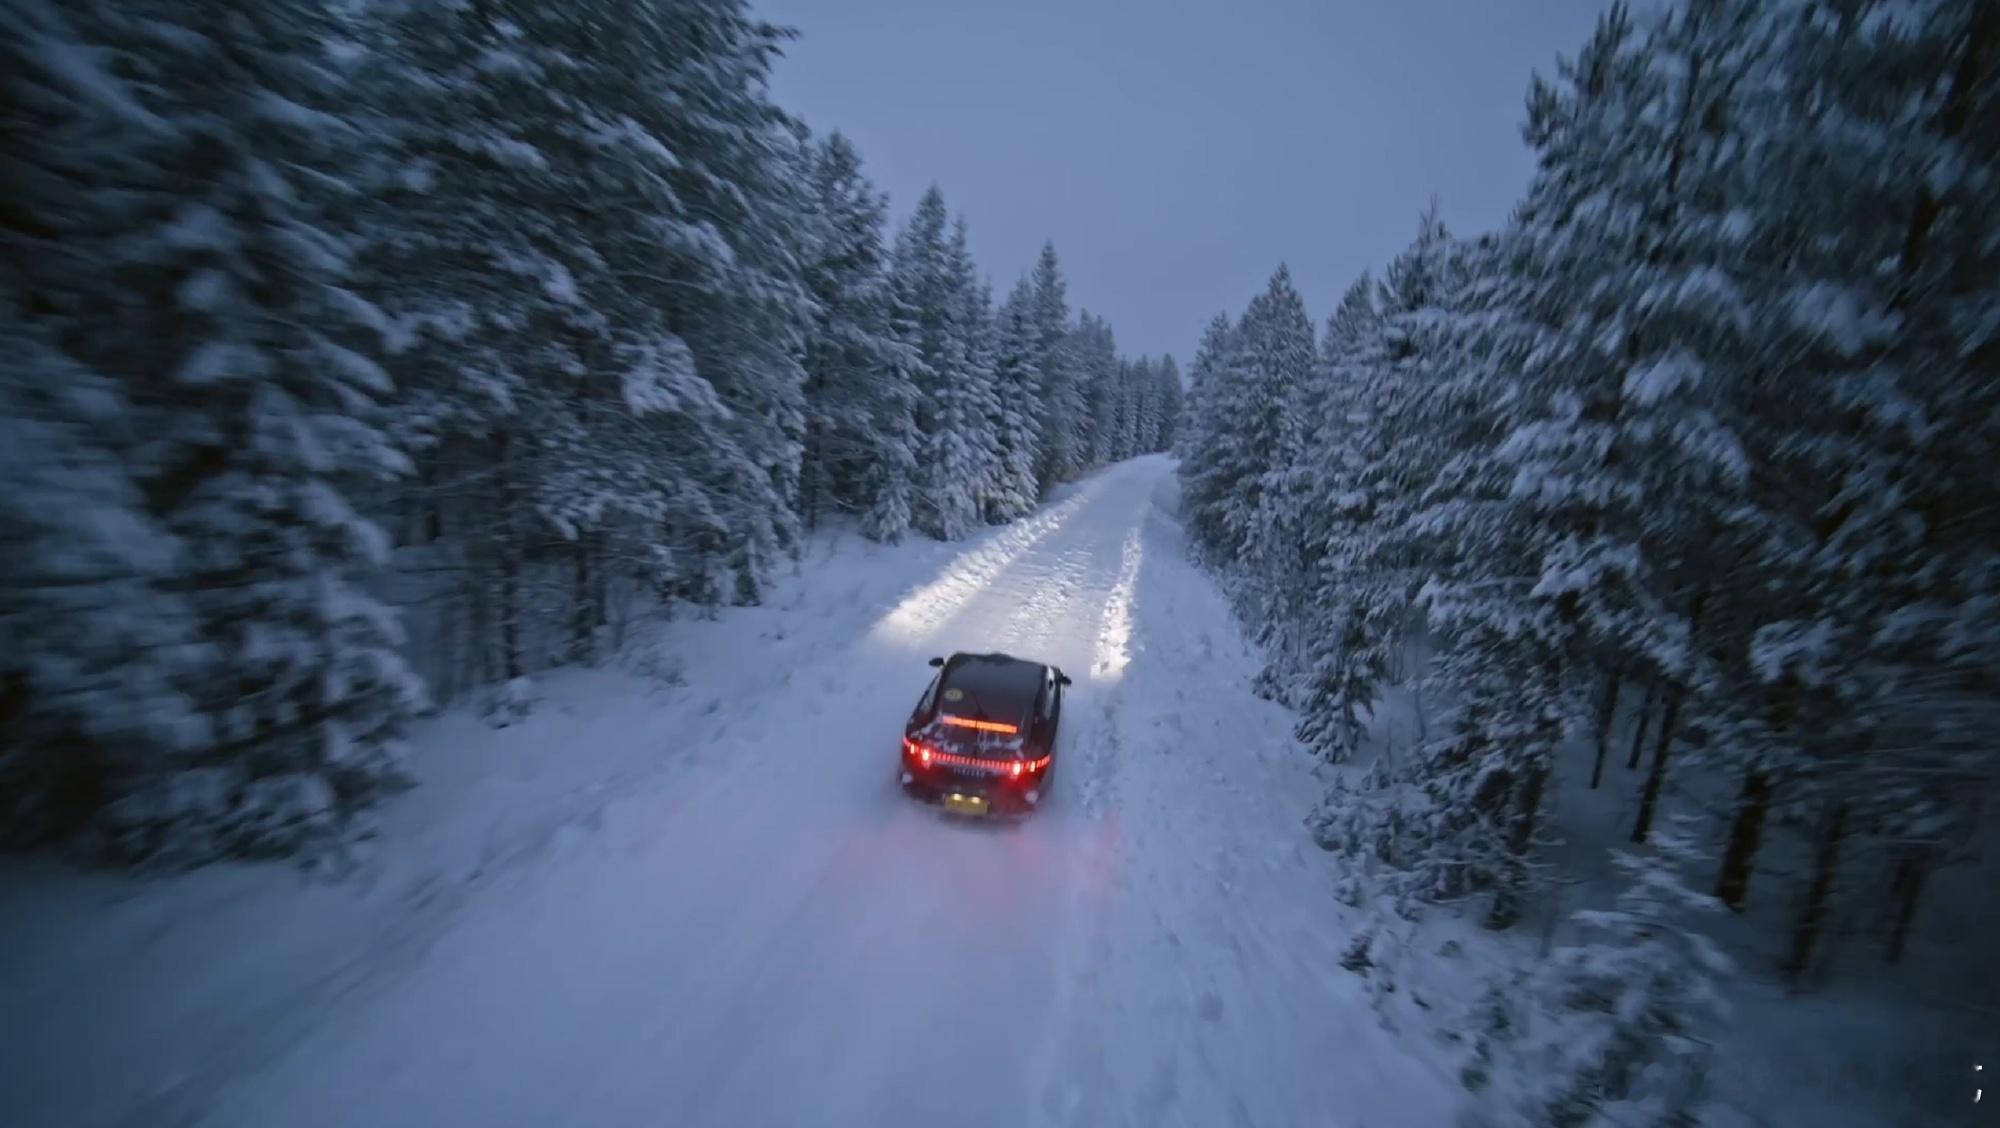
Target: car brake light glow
(1015, 769)
(982, 726)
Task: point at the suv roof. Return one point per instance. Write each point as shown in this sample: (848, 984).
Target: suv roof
(991, 686)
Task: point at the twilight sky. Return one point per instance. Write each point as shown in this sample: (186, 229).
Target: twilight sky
(1178, 150)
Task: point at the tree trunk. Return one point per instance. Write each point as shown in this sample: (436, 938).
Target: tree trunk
(582, 612)
(1913, 867)
(600, 598)
(479, 629)
(510, 613)
(809, 478)
(510, 566)
(1732, 885)
(1639, 729)
(1512, 893)
(1649, 798)
(1607, 709)
(813, 476)
(1812, 915)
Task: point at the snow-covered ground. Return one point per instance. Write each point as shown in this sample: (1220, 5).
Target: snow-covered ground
(707, 904)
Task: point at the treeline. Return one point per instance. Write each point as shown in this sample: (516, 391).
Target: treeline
(357, 356)
(1686, 473)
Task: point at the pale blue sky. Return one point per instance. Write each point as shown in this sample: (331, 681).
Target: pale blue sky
(1177, 152)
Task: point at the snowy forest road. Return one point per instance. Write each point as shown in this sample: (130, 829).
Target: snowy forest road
(776, 936)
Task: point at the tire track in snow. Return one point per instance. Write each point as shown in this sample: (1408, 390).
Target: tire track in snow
(1070, 1066)
(1114, 634)
(1211, 994)
(930, 606)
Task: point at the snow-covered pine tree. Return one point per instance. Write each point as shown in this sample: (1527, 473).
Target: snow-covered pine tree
(1877, 188)
(1347, 656)
(1131, 408)
(1018, 389)
(1062, 409)
(1282, 379)
(1430, 539)
(1633, 1007)
(858, 454)
(1247, 379)
(97, 641)
(206, 294)
(973, 302)
(1107, 369)
(1144, 395)
(1210, 463)
(589, 405)
(1142, 391)
(1162, 400)
(1095, 356)
(1139, 419)
(1629, 457)
(720, 208)
(1170, 398)
(481, 288)
(950, 409)
(1404, 363)
(1111, 441)
(1138, 391)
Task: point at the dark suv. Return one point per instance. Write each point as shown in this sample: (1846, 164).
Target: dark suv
(983, 737)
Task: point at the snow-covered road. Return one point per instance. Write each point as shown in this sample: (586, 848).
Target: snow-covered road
(773, 935)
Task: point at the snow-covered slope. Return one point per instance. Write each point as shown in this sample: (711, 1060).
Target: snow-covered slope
(724, 913)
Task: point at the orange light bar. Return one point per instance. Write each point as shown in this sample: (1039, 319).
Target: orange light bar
(982, 726)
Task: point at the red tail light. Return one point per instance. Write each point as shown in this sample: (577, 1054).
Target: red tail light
(1014, 769)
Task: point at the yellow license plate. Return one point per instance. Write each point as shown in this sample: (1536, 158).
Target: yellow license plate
(965, 804)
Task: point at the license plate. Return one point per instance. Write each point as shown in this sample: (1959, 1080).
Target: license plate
(965, 804)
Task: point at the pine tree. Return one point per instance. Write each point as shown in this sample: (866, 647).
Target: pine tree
(482, 299)
(1095, 369)
(1280, 371)
(1061, 419)
(1152, 396)
(858, 395)
(728, 212)
(1142, 420)
(1347, 655)
(1170, 400)
(1247, 380)
(1018, 387)
(1636, 1006)
(951, 409)
(1878, 193)
(206, 293)
(97, 640)
(1209, 469)
(973, 318)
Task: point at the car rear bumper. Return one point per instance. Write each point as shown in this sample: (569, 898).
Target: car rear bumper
(1003, 797)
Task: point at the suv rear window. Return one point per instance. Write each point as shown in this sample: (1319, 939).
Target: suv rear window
(991, 689)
